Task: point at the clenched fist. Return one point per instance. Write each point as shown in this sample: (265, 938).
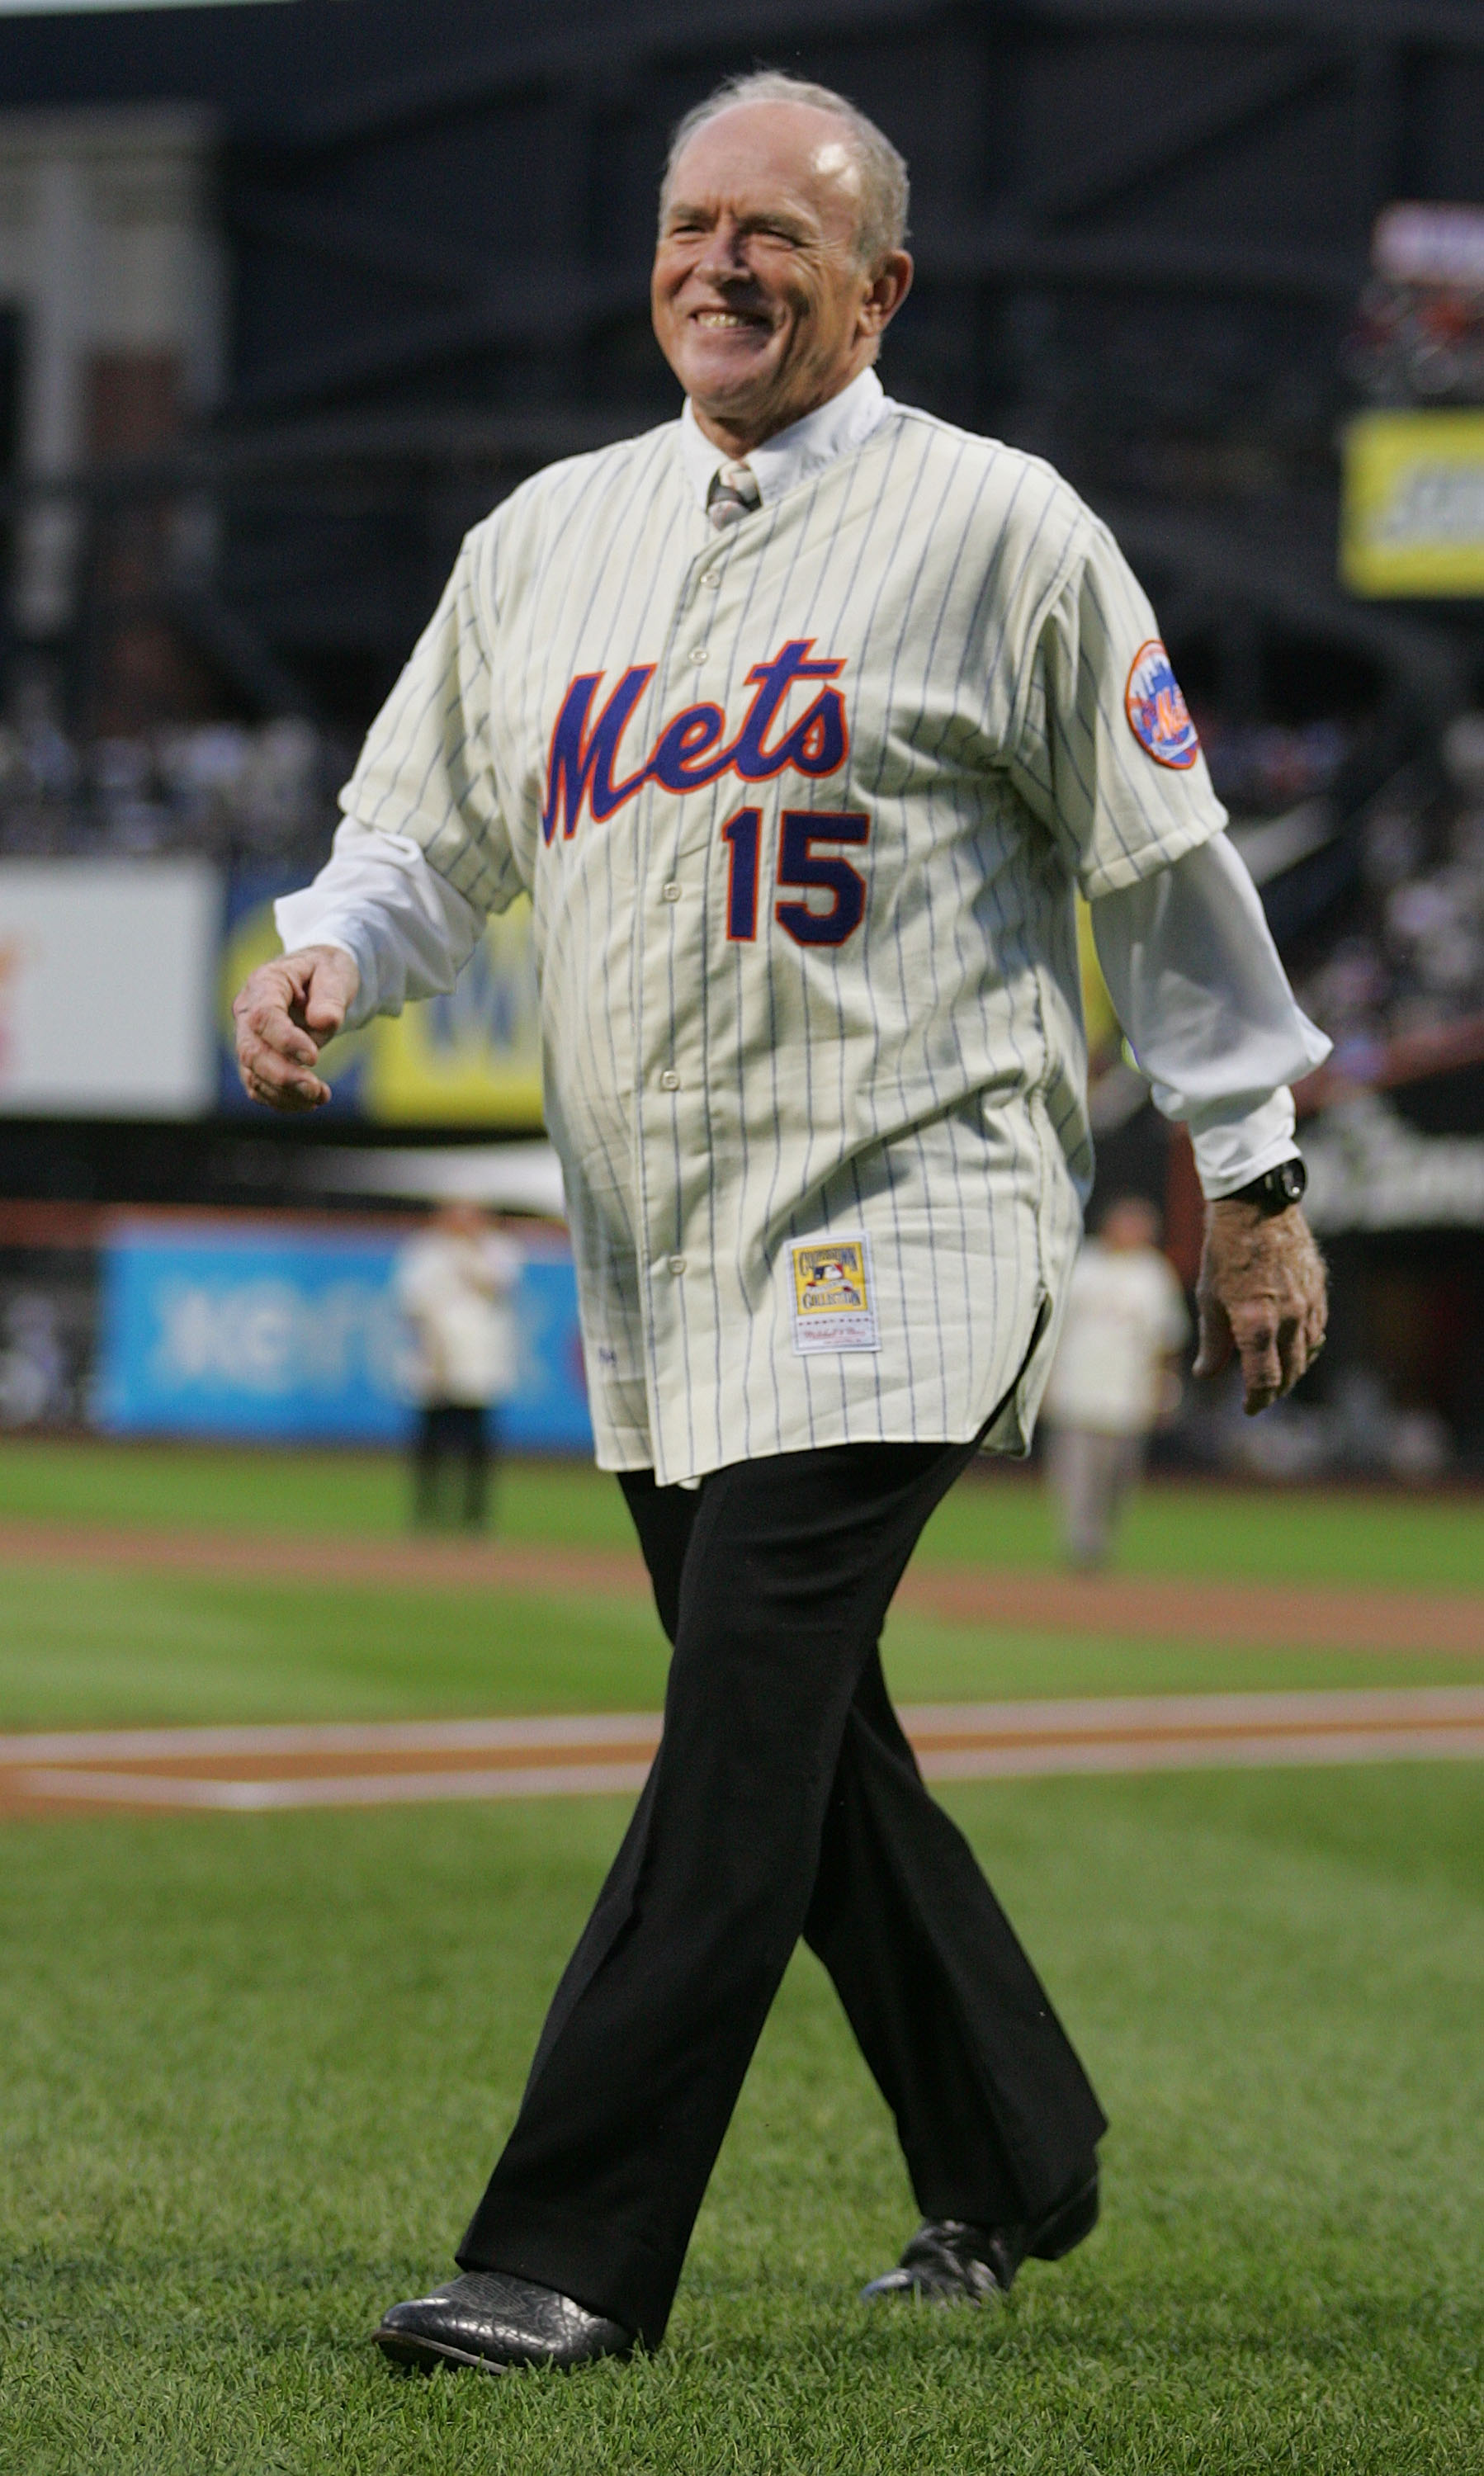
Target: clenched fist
(1262, 1293)
(285, 1014)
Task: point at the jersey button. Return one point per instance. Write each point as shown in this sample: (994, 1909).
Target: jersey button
(712, 576)
(676, 1264)
(698, 655)
(671, 889)
(669, 1080)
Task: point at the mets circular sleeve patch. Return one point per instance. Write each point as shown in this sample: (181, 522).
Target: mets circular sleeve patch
(1158, 715)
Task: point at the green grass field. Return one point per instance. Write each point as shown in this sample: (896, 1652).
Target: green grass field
(992, 1516)
(254, 2069)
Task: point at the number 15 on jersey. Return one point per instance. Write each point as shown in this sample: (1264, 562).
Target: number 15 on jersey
(801, 870)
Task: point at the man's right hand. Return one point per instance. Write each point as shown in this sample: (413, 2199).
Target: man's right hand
(285, 1014)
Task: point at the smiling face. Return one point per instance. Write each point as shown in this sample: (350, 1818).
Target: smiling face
(760, 302)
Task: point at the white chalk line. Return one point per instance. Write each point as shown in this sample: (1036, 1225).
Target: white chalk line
(608, 1753)
(334, 1737)
(364, 1788)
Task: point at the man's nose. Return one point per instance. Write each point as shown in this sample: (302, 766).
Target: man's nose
(726, 251)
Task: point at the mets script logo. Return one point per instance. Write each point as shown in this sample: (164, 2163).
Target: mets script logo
(692, 749)
(1158, 715)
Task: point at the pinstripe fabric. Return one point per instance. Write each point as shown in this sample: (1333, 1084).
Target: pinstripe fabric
(714, 1096)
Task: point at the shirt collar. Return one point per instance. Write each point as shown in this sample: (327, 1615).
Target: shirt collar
(794, 454)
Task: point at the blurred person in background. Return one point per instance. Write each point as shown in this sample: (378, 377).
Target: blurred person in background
(454, 1283)
(1113, 1378)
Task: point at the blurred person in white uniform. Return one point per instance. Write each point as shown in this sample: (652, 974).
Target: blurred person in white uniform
(455, 1285)
(1114, 1377)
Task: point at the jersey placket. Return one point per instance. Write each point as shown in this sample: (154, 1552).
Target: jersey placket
(672, 1164)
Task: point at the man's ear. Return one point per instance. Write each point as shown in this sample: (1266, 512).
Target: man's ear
(889, 288)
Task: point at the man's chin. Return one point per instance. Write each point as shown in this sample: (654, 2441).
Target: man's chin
(732, 383)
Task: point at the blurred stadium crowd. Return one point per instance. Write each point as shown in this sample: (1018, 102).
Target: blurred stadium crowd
(240, 793)
(1407, 955)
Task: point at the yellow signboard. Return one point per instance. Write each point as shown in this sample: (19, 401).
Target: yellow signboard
(1103, 1031)
(469, 1059)
(1412, 518)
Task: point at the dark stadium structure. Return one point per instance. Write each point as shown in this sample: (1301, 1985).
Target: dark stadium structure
(1141, 229)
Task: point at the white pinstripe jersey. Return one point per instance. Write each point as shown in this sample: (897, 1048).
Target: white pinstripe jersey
(801, 808)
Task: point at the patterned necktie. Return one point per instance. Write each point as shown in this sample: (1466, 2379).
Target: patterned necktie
(733, 495)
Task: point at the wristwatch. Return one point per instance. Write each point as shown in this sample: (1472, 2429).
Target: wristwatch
(1277, 1188)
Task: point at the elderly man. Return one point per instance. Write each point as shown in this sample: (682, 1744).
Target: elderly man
(799, 720)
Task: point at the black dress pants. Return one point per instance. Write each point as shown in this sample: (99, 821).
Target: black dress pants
(783, 1801)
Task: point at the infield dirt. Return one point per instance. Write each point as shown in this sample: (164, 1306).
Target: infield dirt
(1289, 1614)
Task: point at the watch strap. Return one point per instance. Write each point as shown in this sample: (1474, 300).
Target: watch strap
(1277, 1189)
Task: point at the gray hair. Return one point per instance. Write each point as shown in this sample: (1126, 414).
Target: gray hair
(884, 173)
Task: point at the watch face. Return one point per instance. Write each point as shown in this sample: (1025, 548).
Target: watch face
(1291, 1177)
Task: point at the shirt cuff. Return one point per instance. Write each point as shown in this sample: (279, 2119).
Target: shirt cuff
(1232, 1149)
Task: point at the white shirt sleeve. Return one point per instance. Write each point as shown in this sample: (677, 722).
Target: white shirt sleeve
(1206, 1008)
(407, 931)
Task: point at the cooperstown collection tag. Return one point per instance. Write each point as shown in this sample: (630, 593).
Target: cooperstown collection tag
(834, 1295)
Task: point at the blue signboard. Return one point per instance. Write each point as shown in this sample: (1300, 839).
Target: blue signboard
(258, 1332)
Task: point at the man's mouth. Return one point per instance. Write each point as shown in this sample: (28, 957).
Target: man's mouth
(719, 320)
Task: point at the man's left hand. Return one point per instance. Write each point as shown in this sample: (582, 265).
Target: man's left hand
(1263, 1294)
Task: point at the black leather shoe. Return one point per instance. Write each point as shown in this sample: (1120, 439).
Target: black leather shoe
(949, 2262)
(493, 2322)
